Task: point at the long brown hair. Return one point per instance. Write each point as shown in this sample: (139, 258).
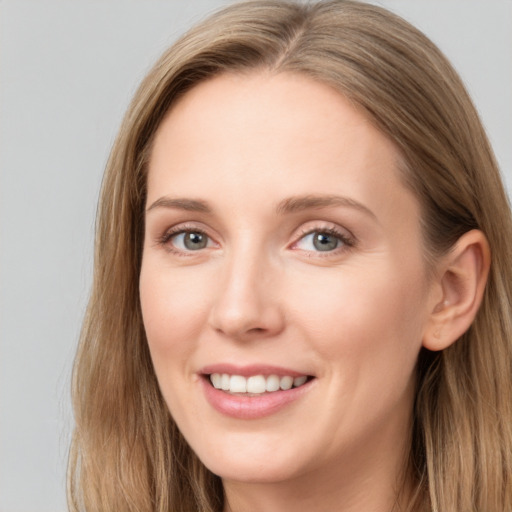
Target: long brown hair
(127, 454)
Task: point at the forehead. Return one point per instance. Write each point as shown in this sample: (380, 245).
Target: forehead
(256, 101)
(279, 134)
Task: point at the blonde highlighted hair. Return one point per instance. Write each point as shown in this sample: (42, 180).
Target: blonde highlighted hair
(127, 453)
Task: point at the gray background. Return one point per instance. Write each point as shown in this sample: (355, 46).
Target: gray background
(67, 71)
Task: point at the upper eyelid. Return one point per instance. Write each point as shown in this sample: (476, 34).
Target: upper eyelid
(163, 236)
(324, 226)
(347, 241)
(184, 227)
(325, 229)
(164, 239)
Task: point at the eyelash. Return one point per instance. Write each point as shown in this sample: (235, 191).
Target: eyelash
(347, 242)
(165, 239)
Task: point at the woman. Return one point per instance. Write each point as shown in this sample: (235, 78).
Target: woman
(294, 304)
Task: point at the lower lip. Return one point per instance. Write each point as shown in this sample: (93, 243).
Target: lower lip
(252, 407)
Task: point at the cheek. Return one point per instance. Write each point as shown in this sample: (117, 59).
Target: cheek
(174, 310)
(173, 314)
(372, 318)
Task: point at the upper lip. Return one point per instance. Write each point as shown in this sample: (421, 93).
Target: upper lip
(250, 369)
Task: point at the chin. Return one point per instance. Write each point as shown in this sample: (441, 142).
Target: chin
(260, 466)
(247, 472)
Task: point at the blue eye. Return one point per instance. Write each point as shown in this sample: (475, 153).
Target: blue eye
(190, 240)
(322, 241)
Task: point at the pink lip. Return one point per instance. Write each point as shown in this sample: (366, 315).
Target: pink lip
(248, 370)
(251, 407)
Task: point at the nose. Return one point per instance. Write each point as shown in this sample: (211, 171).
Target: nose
(247, 303)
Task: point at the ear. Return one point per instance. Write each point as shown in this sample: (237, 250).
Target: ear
(462, 275)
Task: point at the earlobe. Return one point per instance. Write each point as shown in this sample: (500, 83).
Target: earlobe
(462, 278)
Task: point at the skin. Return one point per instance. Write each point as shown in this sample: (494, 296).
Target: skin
(260, 292)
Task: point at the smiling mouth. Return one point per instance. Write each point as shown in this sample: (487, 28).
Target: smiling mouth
(255, 385)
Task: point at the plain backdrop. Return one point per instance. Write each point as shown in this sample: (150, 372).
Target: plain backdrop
(67, 72)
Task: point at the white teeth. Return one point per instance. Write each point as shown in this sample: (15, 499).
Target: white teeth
(256, 384)
(224, 382)
(237, 384)
(272, 383)
(216, 379)
(286, 382)
(298, 381)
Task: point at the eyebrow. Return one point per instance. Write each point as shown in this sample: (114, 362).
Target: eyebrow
(310, 202)
(290, 205)
(190, 205)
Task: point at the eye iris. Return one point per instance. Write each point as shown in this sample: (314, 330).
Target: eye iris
(194, 241)
(325, 242)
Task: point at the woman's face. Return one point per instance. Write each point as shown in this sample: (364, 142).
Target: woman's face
(282, 249)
